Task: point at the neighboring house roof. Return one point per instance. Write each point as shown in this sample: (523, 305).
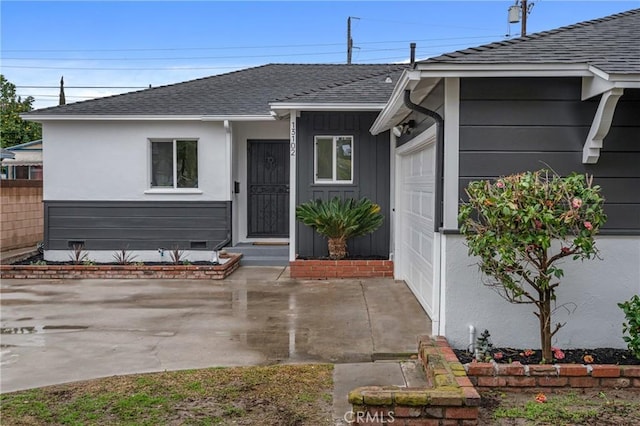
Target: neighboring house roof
(246, 92)
(25, 154)
(612, 44)
(27, 146)
(605, 52)
(6, 154)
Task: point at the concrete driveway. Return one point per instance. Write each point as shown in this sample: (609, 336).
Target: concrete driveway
(62, 331)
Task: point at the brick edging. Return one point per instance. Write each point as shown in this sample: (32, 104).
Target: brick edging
(450, 400)
(516, 375)
(325, 269)
(188, 272)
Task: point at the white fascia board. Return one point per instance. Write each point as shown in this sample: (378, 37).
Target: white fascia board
(502, 70)
(623, 80)
(83, 117)
(596, 85)
(408, 80)
(279, 106)
(628, 80)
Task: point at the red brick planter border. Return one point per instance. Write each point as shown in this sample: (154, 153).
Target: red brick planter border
(453, 397)
(185, 272)
(451, 400)
(547, 377)
(325, 269)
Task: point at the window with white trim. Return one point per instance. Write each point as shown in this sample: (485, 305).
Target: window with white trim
(333, 159)
(174, 163)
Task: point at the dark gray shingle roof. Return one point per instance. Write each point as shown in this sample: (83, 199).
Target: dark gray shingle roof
(611, 44)
(376, 89)
(244, 92)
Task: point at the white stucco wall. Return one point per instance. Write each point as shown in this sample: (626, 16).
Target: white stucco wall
(243, 131)
(110, 160)
(594, 286)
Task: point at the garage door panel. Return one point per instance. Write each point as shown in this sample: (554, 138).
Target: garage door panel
(415, 247)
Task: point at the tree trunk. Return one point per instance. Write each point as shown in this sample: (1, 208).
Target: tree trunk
(337, 248)
(545, 325)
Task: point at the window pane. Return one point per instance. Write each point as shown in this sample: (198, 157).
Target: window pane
(187, 157)
(324, 160)
(162, 164)
(344, 167)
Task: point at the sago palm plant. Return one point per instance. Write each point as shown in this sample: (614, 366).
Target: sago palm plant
(340, 220)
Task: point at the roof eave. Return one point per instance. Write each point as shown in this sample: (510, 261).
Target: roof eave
(451, 69)
(328, 106)
(395, 107)
(119, 117)
(384, 121)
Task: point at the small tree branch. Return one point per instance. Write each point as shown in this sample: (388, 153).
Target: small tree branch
(562, 254)
(557, 328)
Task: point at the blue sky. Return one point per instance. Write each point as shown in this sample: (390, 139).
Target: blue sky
(135, 44)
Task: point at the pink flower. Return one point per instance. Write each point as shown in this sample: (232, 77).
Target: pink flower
(557, 353)
(541, 398)
(588, 225)
(498, 356)
(528, 352)
(565, 250)
(500, 184)
(576, 203)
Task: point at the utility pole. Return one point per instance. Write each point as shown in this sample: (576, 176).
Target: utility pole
(519, 12)
(349, 39)
(525, 12)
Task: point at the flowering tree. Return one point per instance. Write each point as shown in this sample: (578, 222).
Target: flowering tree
(521, 226)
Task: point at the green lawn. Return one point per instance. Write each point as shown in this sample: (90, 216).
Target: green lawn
(289, 394)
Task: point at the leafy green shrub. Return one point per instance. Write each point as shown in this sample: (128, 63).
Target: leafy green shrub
(340, 220)
(631, 309)
(521, 225)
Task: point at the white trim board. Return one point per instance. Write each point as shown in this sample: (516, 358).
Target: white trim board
(126, 117)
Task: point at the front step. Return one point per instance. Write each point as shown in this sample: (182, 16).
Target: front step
(262, 255)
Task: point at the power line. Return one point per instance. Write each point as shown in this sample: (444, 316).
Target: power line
(55, 96)
(431, 46)
(275, 46)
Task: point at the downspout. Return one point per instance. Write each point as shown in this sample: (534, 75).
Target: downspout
(437, 219)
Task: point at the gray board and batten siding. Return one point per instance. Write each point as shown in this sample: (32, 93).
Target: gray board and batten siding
(136, 225)
(371, 178)
(510, 125)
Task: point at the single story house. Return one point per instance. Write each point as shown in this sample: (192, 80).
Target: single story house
(225, 159)
(216, 161)
(26, 162)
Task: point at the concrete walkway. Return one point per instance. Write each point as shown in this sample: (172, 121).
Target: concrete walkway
(61, 331)
(346, 377)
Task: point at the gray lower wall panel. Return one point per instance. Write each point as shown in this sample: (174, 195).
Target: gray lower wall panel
(137, 225)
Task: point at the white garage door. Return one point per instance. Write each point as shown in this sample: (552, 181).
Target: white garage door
(415, 195)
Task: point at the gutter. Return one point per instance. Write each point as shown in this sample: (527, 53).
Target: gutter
(437, 220)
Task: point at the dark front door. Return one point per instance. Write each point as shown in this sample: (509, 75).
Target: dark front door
(268, 187)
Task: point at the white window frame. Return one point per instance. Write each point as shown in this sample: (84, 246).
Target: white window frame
(174, 144)
(334, 179)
